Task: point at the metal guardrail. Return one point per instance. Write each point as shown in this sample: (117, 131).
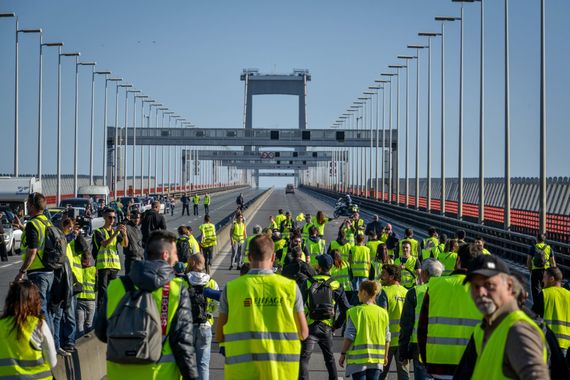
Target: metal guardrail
(509, 245)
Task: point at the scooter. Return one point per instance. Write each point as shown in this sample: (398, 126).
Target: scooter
(342, 209)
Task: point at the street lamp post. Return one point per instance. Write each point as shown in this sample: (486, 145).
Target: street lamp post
(383, 88)
(107, 80)
(149, 158)
(407, 184)
(125, 142)
(443, 20)
(507, 216)
(142, 147)
(371, 123)
(40, 104)
(92, 139)
(58, 154)
(76, 125)
(397, 166)
(542, 204)
(417, 47)
(117, 141)
(390, 120)
(134, 181)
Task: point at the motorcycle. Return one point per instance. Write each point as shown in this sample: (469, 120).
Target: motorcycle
(342, 209)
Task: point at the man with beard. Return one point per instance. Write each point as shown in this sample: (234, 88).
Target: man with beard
(508, 343)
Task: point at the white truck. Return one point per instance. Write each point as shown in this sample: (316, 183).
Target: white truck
(13, 195)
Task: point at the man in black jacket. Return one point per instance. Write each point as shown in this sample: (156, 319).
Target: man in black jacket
(134, 250)
(152, 275)
(152, 221)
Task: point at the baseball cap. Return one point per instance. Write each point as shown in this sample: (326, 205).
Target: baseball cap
(488, 266)
(325, 261)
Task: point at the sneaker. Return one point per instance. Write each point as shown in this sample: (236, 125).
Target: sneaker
(70, 349)
(62, 352)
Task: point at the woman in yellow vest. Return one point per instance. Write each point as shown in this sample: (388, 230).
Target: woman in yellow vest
(27, 350)
(237, 237)
(449, 257)
(342, 273)
(367, 336)
(380, 259)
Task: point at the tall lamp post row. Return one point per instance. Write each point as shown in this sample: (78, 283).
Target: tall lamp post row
(392, 168)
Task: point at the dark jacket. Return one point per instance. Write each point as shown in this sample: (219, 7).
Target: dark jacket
(407, 321)
(152, 221)
(151, 275)
(299, 271)
(374, 226)
(135, 249)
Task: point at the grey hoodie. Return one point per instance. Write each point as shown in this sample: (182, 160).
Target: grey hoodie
(150, 275)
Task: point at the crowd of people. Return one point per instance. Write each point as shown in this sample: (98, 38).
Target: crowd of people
(442, 307)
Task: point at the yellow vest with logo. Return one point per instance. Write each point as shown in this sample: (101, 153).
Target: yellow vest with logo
(40, 227)
(489, 364)
(414, 246)
(107, 256)
(420, 294)
(18, 357)
(396, 295)
(451, 319)
(342, 275)
(360, 261)
(261, 337)
(89, 278)
(166, 367)
(334, 286)
(448, 259)
(547, 250)
(238, 232)
(429, 243)
(557, 313)
(343, 249)
(209, 238)
(369, 346)
(408, 271)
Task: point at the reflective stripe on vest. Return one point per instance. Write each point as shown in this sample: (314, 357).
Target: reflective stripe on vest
(19, 360)
(343, 249)
(546, 248)
(89, 276)
(166, 368)
(209, 238)
(396, 295)
(342, 275)
(256, 350)
(238, 232)
(108, 256)
(557, 313)
(37, 223)
(489, 363)
(408, 280)
(360, 261)
(451, 319)
(369, 346)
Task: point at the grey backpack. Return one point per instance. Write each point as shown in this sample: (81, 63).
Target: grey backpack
(134, 333)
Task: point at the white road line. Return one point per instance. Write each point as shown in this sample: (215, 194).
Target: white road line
(8, 265)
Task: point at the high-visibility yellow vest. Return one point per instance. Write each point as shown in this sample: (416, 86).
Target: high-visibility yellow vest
(279, 245)
(557, 313)
(485, 251)
(18, 357)
(246, 254)
(238, 233)
(315, 248)
(359, 226)
(489, 364)
(369, 346)
(209, 238)
(396, 295)
(284, 252)
(451, 319)
(377, 265)
(89, 278)
(75, 261)
(408, 280)
(546, 248)
(305, 231)
(196, 199)
(448, 259)
(334, 286)
(414, 246)
(320, 227)
(420, 294)
(38, 223)
(343, 249)
(193, 243)
(360, 261)
(437, 251)
(286, 228)
(278, 219)
(429, 243)
(261, 337)
(373, 246)
(211, 304)
(384, 238)
(349, 234)
(206, 200)
(342, 275)
(107, 256)
(166, 368)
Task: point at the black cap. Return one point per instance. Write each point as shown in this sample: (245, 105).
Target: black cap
(325, 261)
(488, 266)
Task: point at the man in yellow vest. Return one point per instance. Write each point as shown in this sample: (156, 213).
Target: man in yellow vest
(447, 317)
(261, 320)
(196, 203)
(508, 344)
(359, 262)
(208, 241)
(553, 305)
(409, 237)
(410, 265)
(256, 231)
(279, 217)
(408, 339)
(238, 235)
(429, 243)
(106, 240)
(170, 293)
(33, 239)
(392, 297)
(540, 257)
(207, 204)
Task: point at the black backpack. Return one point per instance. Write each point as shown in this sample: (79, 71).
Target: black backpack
(55, 247)
(539, 256)
(183, 248)
(320, 299)
(199, 303)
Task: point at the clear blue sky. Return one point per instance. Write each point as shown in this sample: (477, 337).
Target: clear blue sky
(189, 55)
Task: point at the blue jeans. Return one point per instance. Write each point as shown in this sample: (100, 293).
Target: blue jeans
(44, 281)
(202, 346)
(64, 325)
(369, 374)
(356, 281)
